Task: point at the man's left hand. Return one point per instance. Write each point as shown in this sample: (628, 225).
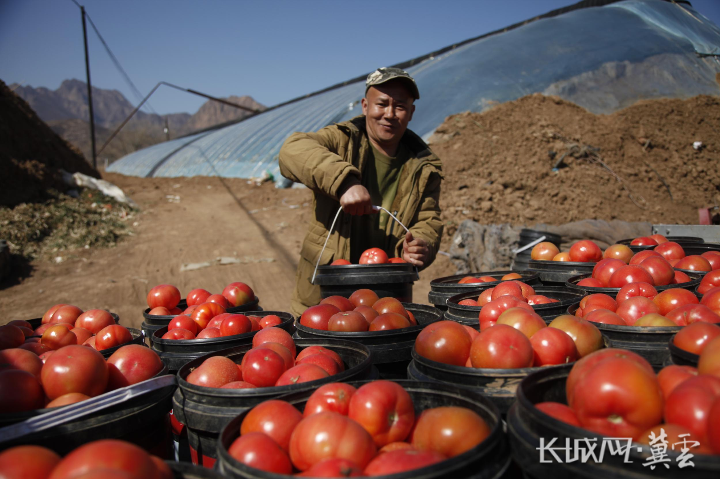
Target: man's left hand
(415, 250)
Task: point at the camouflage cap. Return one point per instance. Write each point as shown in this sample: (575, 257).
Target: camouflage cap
(385, 74)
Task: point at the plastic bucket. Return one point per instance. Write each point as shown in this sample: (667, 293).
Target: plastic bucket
(391, 348)
(557, 273)
(487, 460)
(204, 411)
(441, 289)
(386, 280)
(497, 384)
(528, 427)
(651, 343)
(695, 278)
(678, 356)
(469, 315)
(522, 261)
(176, 353)
(528, 235)
(188, 470)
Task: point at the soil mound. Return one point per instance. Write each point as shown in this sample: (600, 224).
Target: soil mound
(637, 164)
(31, 154)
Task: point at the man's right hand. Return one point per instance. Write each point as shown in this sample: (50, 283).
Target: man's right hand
(355, 200)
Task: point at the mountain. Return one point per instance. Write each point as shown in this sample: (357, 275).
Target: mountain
(66, 111)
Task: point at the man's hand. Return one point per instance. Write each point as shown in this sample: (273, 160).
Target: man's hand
(355, 199)
(415, 250)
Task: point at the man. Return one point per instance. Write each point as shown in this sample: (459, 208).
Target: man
(370, 160)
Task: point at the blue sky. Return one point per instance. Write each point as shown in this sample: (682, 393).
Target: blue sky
(272, 50)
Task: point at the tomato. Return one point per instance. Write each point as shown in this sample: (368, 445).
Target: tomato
(317, 317)
(132, 460)
(690, 402)
(695, 263)
(219, 299)
(644, 241)
(673, 298)
(540, 300)
(342, 303)
(239, 385)
(390, 305)
(691, 313)
(670, 250)
(270, 321)
(524, 321)
(619, 252)
(552, 346)
(590, 282)
(659, 238)
(11, 337)
(491, 311)
(21, 391)
(562, 257)
(262, 367)
(709, 281)
(559, 411)
(445, 342)
(714, 427)
(205, 312)
(713, 258)
(673, 375)
(585, 251)
(322, 350)
(65, 314)
(366, 312)
(167, 296)
(333, 468)
(95, 320)
(635, 307)
(27, 461)
(238, 293)
(235, 324)
(373, 256)
(215, 372)
(601, 299)
(132, 364)
(635, 289)
(67, 399)
(384, 409)
(81, 334)
(469, 302)
(333, 397)
(618, 397)
(709, 362)
(301, 373)
(258, 450)
(604, 269)
(281, 350)
(185, 322)
(586, 336)
(34, 346)
(322, 361)
(485, 297)
(711, 299)
(466, 280)
(197, 296)
(20, 324)
(507, 288)
(275, 418)
(509, 276)
(50, 312)
(112, 336)
(544, 251)
(653, 320)
(277, 335)
(659, 269)
(74, 369)
(640, 256)
(348, 322)
(90, 342)
(22, 359)
(630, 274)
(501, 346)
(363, 297)
(695, 337)
(330, 435)
(449, 431)
(341, 261)
(389, 321)
(604, 316)
(179, 334)
(58, 336)
(397, 461)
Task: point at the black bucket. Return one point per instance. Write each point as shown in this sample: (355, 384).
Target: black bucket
(441, 289)
(521, 262)
(469, 315)
(490, 459)
(142, 420)
(386, 280)
(176, 353)
(678, 356)
(497, 384)
(188, 470)
(528, 236)
(695, 278)
(152, 323)
(391, 348)
(651, 343)
(530, 430)
(204, 411)
(557, 273)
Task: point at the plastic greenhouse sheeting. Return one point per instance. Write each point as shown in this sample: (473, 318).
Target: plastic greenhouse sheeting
(601, 58)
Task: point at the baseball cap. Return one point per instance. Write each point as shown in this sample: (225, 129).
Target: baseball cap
(385, 74)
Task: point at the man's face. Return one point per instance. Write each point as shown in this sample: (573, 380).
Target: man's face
(388, 109)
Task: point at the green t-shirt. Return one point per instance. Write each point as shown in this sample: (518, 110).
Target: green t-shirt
(381, 178)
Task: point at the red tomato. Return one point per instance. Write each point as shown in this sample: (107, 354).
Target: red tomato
(640, 256)
(653, 320)
(619, 252)
(367, 312)
(317, 317)
(50, 312)
(673, 298)
(709, 362)
(491, 311)
(333, 468)
(330, 435)
(27, 461)
(333, 397)
(322, 350)
(348, 322)
(21, 391)
(485, 297)
(167, 296)
(74, 369)
(526, 289)
(501, 346)
(695, 263)
(277, 335)
(258, 450)
(544, 251)
(507, 288)
(691, 313)
(185, 322)
(95, 320)
(644, 241)
(81, 334)
(659, 238)
(342, 303)
(373, 256)
(670, 250)
(22, 359)
(672, 376)
(219, 299)
(636, 289)
(300, 374)
(67, 399)
(112, 336)
(65, 314)
(270, 321)
(132, 364)
(283, 351)
(397, 461)
(714, 427)
(695, 337)
(235, 324)
(680, 277)
(390, 305)
(96, 456)
(713, 258)
(340, 261)
(363, 297)
(526, 322)
(586, 336)
(600, 299)
(562, 257)
(11, 337)
(275, 418)
(604, 316)
(238, 293)
(179, 334)
(214, 373)
(34, 346)
(384, 409)
(445, 342)
(709, 281)
(690, 402)
(449, 431)
(205, 312)
(635, 307)
(469, 302)
(618, 397)
(585, 251)
(262, 367)
(604, 269)
(158, 311)
(509, 276)
(467, 280)
(58, 336)
(322, 361)
(559, 411)
(630, 274)
(552, 347)
(389, 321)
(239, 385)
(197, 296)
(659, 269)
(591, 282)
(711, 299)
(540, 300)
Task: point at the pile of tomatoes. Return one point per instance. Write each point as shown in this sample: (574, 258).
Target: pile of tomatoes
(64, 325)
(217, 323)
(363, 311)
(371, 256)
(344, 432)
(582, 251)
(640, 305)
(488, 278)
(616, 393)
(272, 362)
(513, 293)
(70, 374)
(163, 299)
(98, 459)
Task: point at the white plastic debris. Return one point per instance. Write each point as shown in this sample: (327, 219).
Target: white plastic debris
(82, 180)
(697, 145)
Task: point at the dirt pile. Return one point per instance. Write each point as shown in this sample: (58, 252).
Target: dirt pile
(637, 164)
(31, 154)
